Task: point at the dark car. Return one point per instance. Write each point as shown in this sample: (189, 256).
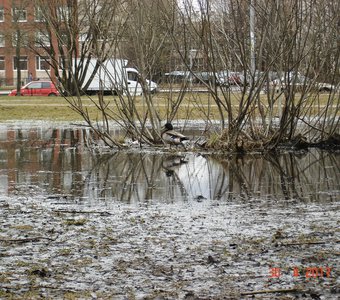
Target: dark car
(37, 88)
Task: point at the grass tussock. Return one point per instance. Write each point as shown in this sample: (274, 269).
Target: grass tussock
(239, 144)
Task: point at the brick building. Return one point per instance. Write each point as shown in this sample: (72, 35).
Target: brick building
(24, 40)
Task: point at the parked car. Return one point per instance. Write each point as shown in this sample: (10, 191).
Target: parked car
(177, 76)
(213, 78)
(229, 78)
(37, 88)
(300, 82)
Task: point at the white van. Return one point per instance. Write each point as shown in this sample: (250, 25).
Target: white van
(113, 77)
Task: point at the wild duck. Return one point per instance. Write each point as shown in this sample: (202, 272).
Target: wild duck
(172, 137)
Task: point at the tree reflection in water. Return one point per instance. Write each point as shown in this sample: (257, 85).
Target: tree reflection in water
(57, 161)
(132, 177)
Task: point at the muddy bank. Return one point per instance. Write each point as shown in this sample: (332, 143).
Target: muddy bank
(53, 248)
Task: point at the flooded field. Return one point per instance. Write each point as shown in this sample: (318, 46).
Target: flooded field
(155, 224)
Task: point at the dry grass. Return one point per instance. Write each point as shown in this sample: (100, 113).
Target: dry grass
(194, 106)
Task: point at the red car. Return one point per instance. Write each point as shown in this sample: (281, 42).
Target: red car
(37, 88)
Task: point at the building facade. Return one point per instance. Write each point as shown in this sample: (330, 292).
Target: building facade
(24, 42)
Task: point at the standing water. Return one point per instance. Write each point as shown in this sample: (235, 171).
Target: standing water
(136, 224)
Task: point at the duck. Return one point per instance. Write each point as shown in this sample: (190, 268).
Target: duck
(172, 137)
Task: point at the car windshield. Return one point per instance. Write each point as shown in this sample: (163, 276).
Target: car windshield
(34, 85)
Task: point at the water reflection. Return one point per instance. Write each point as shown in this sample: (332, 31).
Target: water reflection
(56, 161)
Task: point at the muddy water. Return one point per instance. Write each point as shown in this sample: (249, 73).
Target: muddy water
(152, 224)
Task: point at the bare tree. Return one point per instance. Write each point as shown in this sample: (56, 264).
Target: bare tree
(259, 39)
(79, 31)
(146, 37)
(19, 35)
(287, 42)
(102, 29)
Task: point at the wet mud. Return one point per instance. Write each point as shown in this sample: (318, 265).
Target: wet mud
(196, 250)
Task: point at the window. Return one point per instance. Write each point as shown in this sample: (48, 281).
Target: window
(64, 38)
(2, 63)
(46, 85)
(133, 76)
(2, 40)
(43, 63)
(22, 62)
(35, 85)
(19, 14)
(63, 13)
(38, 15)
(20, 37)
(42, 39)
(2, 14)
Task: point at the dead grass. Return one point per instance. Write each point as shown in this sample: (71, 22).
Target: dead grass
(194, 106)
